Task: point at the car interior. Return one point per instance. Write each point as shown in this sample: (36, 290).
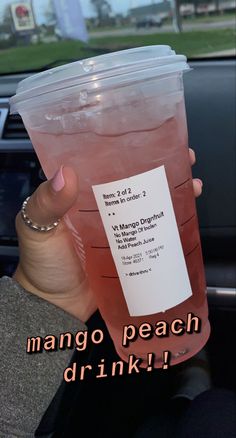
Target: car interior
(211, 113)
(210, 91)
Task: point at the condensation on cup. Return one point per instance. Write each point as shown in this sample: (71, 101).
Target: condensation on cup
(119, 120)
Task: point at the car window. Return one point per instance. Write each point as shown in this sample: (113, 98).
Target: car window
(42, 33)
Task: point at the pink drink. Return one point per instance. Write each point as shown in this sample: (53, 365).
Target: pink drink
(116, 135)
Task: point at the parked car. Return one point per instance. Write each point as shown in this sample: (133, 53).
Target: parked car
(4, 36)
(149, 22)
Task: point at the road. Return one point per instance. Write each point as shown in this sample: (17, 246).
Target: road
(167, 28)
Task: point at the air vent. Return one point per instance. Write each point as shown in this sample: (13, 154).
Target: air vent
(14, 128)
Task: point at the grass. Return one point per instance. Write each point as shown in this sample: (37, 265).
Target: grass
(189, 43)
(36, 56)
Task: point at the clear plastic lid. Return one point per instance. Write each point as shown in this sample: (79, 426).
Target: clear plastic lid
(93, 73)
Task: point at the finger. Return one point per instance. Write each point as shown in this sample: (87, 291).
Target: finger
(53, 198)
(197, 187)
(192, 157)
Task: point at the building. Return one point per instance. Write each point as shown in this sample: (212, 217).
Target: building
(157, 10)
(164, 9)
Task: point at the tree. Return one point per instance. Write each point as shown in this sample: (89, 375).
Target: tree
(195, 5)
(6, 24)
(102, 8)
(217, 6)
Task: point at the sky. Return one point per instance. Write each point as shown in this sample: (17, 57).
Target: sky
(118, 6)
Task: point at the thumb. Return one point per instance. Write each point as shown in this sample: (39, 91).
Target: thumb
(52, 199)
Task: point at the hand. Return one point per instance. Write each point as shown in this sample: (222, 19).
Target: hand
(49, 266)
(197, 183)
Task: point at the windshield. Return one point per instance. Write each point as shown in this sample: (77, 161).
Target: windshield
(39, 34)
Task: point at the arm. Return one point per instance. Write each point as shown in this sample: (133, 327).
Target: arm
(59, 299)
(28, 382)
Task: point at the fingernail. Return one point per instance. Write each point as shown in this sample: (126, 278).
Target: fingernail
(199, 181)
(58, 181)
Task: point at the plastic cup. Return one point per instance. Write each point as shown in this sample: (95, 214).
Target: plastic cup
(119, 120)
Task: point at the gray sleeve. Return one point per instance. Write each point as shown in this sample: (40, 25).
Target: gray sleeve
(28, 382)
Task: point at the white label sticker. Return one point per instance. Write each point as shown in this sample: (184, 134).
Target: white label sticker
(142, 232)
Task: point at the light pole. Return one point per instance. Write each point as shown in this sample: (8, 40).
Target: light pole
(176, 17)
